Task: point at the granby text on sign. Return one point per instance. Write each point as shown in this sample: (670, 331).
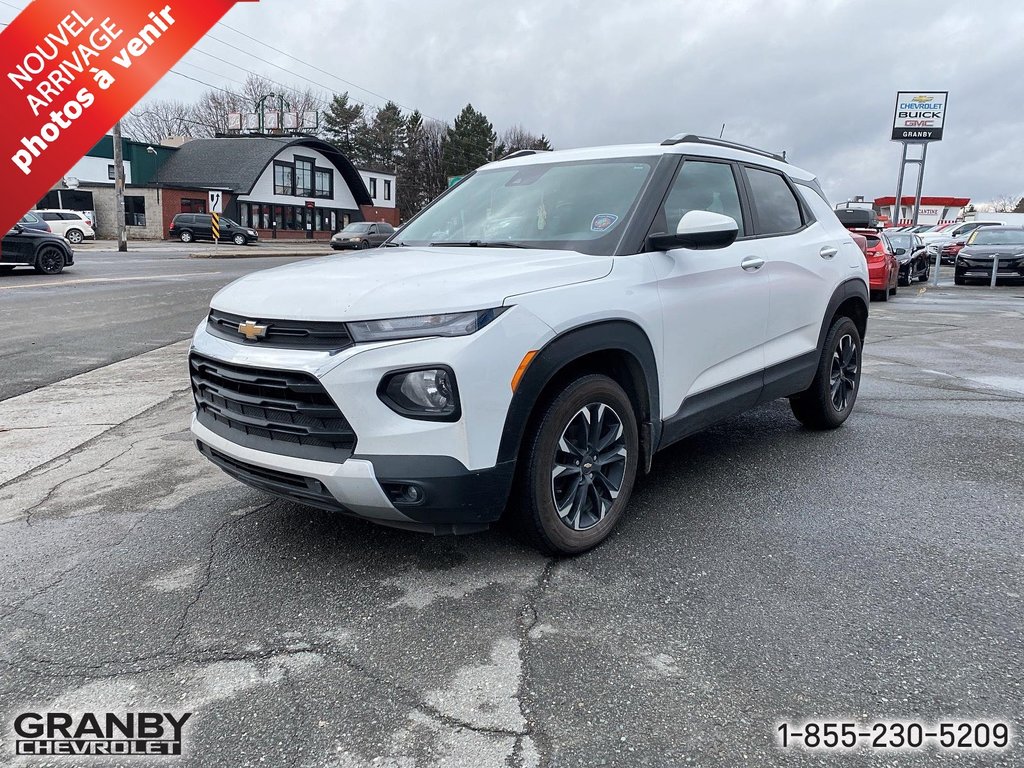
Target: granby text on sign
(919, 115)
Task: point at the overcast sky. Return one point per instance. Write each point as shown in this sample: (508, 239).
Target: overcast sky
(816, 78)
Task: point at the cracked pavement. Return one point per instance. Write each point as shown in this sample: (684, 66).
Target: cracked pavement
(763, 574)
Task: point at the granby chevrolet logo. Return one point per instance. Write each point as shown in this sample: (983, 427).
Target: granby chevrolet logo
(109, 733)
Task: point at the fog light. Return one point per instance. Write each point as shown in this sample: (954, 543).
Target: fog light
(404, 493)
(429, 393)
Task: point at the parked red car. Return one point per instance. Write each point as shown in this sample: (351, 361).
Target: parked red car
(883, 267)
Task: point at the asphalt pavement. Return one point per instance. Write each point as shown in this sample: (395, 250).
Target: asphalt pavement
(762, 575)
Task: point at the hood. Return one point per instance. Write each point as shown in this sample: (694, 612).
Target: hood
(402, 282)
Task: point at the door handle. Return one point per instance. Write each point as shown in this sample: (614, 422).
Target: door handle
(828, 252)
(752, 263)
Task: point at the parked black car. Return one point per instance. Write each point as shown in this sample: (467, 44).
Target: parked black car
(34, 221)
(912, 255)
(199, 226)
(46, 252)
(1004, 244)
(362, 234)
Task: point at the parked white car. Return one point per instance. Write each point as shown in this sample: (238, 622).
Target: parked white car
(73, 226)
(636, 295)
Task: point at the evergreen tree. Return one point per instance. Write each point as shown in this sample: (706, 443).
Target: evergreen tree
(343, 120)
(469, 143)
(382, 141)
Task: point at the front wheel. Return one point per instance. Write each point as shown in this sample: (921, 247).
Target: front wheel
(239, 239)
(829, 401)
(50, 261)
(186, 236)
(578, 467)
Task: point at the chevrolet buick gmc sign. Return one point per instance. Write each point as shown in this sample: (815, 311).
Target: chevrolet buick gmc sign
(919, 115)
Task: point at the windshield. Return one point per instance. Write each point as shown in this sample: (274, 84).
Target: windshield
(229, 222)
(582, 206)
(997, 237)
(357, 228)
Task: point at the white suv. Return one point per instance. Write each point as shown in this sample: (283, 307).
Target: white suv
(529, 340)
(73, 226)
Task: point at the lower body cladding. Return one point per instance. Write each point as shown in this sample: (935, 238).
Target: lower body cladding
(311, 426)
(434, 494)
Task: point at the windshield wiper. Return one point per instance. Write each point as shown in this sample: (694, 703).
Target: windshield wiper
(478, 244)
(393, 245)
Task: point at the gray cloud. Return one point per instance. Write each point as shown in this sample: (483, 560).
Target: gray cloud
(816, 78)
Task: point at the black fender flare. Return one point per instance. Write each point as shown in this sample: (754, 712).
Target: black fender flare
(853, 288)
(603, 336)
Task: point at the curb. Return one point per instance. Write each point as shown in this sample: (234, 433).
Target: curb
(257, 255)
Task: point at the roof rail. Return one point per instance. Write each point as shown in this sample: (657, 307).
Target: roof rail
(523, 153)
(689, 138)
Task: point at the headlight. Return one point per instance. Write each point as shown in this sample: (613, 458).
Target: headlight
(429, 393)
(455, 324)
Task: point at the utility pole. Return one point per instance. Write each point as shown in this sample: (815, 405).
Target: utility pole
(122, 234)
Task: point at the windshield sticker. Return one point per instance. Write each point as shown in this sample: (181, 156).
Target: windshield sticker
(603, 221)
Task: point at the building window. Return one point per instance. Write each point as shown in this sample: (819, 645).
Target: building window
(110, 172)
(373, 187)
(135, 210)
(193, 205)
(303, 177)
(387, 189)
(324, 183)
(283, 181)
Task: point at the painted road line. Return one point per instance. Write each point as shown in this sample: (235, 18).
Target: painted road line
(41, 425)
(84, 280)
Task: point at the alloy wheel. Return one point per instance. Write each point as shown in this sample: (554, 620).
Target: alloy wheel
(843, 373)
(589, 466)
(51, 261)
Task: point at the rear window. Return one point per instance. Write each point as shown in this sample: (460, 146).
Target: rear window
(872, 241)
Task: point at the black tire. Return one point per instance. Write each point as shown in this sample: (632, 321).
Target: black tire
(892, 291)
(75, 236)
(829, 401)
(364, 244)
(907, 281)
(239, 239)
(592, 505)
(186, 236)
(49, 260)
(923, 277)
(959, 280)
(5, 268)
(880, 295)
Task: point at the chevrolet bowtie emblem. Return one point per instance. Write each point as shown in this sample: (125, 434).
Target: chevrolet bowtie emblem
(251, 330)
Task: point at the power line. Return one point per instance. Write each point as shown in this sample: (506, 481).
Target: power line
(314, 66)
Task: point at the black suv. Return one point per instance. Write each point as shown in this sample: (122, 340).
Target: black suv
(199, 226)
(46, 252)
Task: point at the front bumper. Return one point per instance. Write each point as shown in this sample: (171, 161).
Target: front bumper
(462, 486)
(1010, 268)
(346, 245)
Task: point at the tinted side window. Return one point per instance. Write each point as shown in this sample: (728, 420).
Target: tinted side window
(700, 186)
(387, 229)
(70, 216)
(777, 209)
(50, 216)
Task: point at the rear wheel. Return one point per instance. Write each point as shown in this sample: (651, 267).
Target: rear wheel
(829, 401)
(50, 261)
(75, 236)
(578, 467)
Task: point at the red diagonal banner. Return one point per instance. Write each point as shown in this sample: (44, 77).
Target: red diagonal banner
(70, 69)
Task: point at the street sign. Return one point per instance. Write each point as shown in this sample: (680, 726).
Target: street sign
(919, 115)
(216, 202)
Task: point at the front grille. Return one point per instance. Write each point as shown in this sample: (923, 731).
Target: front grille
(283, 412)
(285, 334)
(305, 490)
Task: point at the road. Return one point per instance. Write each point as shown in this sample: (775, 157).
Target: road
(763, 574)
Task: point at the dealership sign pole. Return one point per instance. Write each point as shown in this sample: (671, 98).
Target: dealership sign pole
(918, 120)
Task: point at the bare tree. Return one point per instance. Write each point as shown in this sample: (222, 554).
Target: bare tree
(1006, 203)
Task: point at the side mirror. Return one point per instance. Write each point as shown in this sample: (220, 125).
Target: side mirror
(698, 230)
(900, 251)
